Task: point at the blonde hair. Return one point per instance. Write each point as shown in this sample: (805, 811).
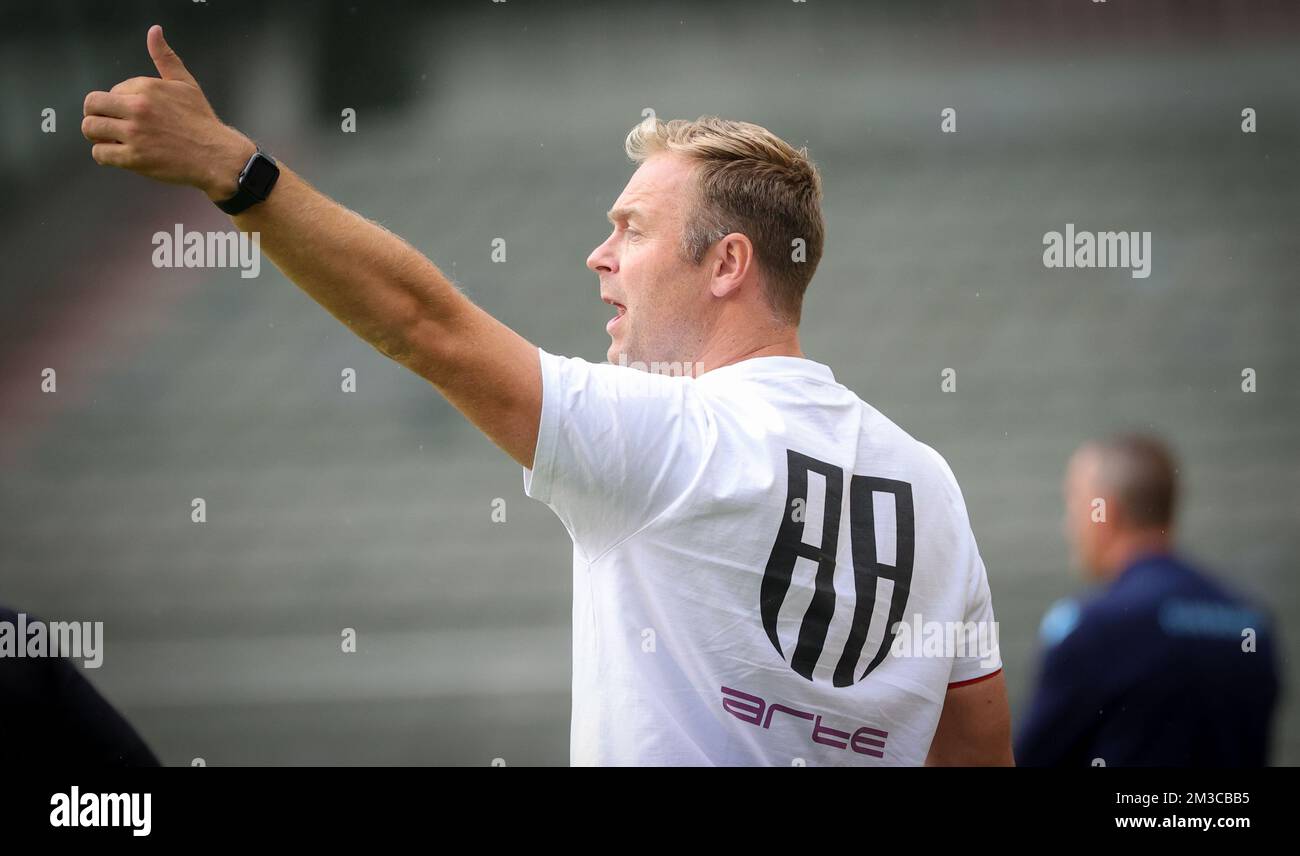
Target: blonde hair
(749, 181)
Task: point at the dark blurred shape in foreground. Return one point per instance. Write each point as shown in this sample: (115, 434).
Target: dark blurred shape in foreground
(52, 716)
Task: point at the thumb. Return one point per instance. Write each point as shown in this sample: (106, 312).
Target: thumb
(165, 59)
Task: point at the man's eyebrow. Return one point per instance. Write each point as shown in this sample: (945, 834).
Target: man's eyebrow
(622, 214)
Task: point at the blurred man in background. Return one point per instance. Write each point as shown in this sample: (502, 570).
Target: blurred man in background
(1164, 667)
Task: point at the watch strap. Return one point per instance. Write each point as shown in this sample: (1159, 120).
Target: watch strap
(245, 197)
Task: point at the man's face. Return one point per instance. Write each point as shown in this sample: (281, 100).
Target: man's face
(1087, 524)
(662, 300)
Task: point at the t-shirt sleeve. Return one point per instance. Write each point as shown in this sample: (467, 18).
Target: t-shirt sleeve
(616, 447)
(986, 658)
(982, 656)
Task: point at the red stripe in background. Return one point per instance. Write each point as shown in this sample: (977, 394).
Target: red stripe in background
(119, 303)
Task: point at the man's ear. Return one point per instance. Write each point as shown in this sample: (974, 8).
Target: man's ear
(732, 257)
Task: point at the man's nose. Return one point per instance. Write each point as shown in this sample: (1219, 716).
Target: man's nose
(602, 260)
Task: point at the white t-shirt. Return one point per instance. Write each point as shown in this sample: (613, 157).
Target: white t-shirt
(724, 528)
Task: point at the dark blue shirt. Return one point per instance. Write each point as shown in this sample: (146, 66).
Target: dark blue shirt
(1157, 670)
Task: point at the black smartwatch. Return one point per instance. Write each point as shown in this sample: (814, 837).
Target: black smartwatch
(255, 182)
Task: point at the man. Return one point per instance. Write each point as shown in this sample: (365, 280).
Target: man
(1164, 667)
(748, 535)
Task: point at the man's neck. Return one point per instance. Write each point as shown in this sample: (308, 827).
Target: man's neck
(1136, 547)
(717, 356)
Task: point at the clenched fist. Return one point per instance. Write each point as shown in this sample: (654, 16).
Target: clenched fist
(164, 128)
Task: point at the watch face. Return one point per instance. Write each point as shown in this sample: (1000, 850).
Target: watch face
(260, 175)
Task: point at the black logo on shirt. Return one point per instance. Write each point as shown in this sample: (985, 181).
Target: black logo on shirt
(867, 569)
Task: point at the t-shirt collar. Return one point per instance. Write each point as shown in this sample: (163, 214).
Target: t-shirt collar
(774, 365)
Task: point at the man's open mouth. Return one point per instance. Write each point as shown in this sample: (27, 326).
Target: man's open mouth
(622, 310)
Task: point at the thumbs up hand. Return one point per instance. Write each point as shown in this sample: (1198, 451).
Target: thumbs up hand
(163, 128)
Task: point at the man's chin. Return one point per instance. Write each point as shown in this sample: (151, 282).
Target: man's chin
(618, 355)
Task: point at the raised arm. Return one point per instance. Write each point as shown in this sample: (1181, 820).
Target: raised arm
(370, 279)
